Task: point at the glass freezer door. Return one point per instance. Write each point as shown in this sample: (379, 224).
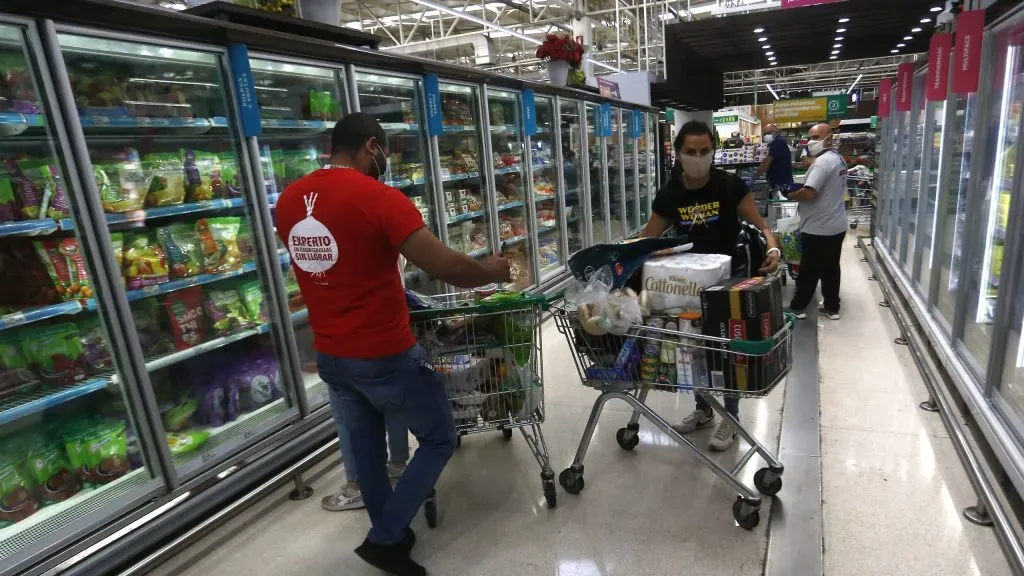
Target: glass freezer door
(1003, 121)
(547, 195)
(507, 162)
(598, 175)
(914, 154)
(648, 169)
(168, 171)
(74, 449)
(459, 151)
(571, 132)
(936, 111)
(629, 170)
(299, 105)
(616, 194)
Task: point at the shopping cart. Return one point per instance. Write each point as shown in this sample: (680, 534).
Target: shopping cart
(789, 241)
(728, 366)
(859, 193)
(490, 357)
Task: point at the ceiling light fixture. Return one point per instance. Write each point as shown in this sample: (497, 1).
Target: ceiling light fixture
(762, 39)
(774, 63)
(844, 20)
(769, 53)
(908, 38)
(915, 30)
(758, 30)
(926, 20)
(835, 51)
(894, 51)
(840, 30)
(936, 8)
(901, 45)
(766, 47)
(837, 45)
(838, 38)
(833, 57)
(772, 90)
(859, 76)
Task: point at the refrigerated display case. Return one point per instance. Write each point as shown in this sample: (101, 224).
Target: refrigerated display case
(932, 164)
(913, 168)
(171, 177)
(598, 159)
(647, 167)
(548, 193)
(630, 152)
(616, 179)
(507, 170)
(571, 133)
(74, 447)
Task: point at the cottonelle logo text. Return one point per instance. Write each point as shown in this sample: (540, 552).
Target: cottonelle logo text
(673, 285)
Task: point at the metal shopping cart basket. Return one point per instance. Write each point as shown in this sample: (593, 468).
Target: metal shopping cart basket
(859, 193)
(490, 357)
(707, 365)
(789, 241)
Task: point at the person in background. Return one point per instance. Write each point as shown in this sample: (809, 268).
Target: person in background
(345, 230)
(777, 167)
(823, 225)
(733, 141)
(707, 204)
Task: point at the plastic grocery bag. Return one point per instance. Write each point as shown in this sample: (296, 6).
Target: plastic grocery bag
(787, 232)
(603, 310)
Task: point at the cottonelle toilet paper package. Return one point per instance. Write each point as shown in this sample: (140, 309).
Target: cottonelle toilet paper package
(673, 283)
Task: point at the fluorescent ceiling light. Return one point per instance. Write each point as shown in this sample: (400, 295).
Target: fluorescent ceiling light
(833, 57)
(772, 90)
(758, 30)
(894, 51)
(844, 20)
(901, 45)
(774, 63)
(840, 30)
(838, 38)
(769, 53)
(908, 37)
(762, 39)
(771, 58)
(859, 76)
(936, 8)
(837, 45)
(835, 51)
(766, 47)
(926, 20)
(915, 30)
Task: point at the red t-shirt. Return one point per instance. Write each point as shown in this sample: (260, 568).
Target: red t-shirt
(343, 229)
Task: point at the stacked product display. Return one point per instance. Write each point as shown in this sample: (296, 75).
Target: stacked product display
(746, 154)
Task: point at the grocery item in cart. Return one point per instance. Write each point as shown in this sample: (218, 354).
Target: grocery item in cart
(144, 261)
(17, 498)
(743, 309)
(165, 172)
(691, 364)
(621, 259)
(218, 239)
(181, 246)
(462, 372)
(672, 284)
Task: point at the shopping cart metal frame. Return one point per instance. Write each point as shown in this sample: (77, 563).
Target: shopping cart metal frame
(633, 390)
(774, 210)
(459, 327)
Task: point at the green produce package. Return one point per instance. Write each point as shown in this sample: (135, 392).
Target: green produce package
(185, 442)
(94, 344)
(203, 176)
(17, 493)
(181, 245)
(229, 174)
(179, 416)
(48, 465)
(8, 201)
(122, 184)
(513, 329)
(165, 172)
(54, 353)
(39, 186)
(225, 310)
(97, 450)
(218, 239)
(252, 297)
(14, 369)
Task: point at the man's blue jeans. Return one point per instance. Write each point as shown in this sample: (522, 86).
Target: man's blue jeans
(398, 439)
(402, 388)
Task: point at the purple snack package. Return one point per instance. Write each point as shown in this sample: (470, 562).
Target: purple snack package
(258, 382)
(210, 394)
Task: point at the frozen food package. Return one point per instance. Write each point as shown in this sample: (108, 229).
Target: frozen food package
(187, 317)
(165, 172)
(181, 245)
(66, 266)
(225, 310)
(255, 304)
(153, 339)
(202, 176)
(94, 344)
(218, 238)
(54, 352)
(14, 369)
(246, 245)
(47, 463)
(144, 262)
(8, 199)
(121, 182)
(229, 175)
(673, 284)
(185, 442)
(257, 381)
(17, 498)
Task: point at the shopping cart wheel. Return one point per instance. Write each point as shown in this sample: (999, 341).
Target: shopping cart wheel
(627, 439)
(767, 482)
(747, 515)
(507, 433)
(571, 480)
(549, 490)
(430, 510)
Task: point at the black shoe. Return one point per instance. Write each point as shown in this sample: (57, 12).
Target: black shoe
(391, 558)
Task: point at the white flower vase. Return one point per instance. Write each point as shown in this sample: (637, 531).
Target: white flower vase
(558, 72)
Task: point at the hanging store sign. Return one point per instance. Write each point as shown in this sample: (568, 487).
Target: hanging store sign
(730, 119)
(432, 91)
(529, 112)
(885, 98)
(607, 88)
(802, 3)
(730, 6)
(970, 28)
(938, 66)
(904, 86)
(800, 110)
(245, 90)
(605, 125)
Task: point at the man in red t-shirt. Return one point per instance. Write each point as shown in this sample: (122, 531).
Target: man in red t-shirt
(345, 231)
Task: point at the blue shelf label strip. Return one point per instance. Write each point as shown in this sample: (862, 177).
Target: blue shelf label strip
(245, 91)
(530, 112)
(432, 90)
(606, 120)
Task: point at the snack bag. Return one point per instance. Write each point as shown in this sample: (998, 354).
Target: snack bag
(49, 468)
(185, 313)
(252, 298)
(179, 416)
(181, 245)
(117, 241)
(29, 196)
(185, 442)
(66, 267)
(202, 176)
(106, 452)
(8, 200)
(17, 501)
(225, 310)
(144, 261)
(122, 184)
(245, 242)
(44, 175)
(94, 345)
(257, 381)
(14, 370)
(299, 163)
(54, 352)
(231, 188)
(165, 172)
(152, 338)
(218, 238)
(212, 396)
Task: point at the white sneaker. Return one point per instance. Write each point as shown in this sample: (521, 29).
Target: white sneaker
(347, 499)
(723, 438)
(830, 315)
(696, 419)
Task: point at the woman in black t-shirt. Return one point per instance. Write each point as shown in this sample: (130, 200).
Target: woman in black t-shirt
(707, 204)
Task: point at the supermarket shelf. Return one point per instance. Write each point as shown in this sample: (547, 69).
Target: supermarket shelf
(504, 128)
(13, 123)
(399, 127)
(316, 390)
(139, 216)
(466, 216)
(300, 316)
(458, 177)
(42, 397)
(459, 128)
(222, 443)
(543, 198)
(296, 126)
(546, 229)
(31, 315)
(182, 355)
(99, 123)
(515, 240)
(405, 183)
(478, 252)
(508, 169)
(174, 285)
(510, 205)
(29, 228)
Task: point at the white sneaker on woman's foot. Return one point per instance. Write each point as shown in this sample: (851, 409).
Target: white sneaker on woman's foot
(724, 436)
(696, 419)
(348, 499)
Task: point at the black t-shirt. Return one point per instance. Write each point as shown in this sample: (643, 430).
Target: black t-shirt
(708, 215)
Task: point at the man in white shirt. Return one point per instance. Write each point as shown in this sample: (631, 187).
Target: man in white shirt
(823, 225)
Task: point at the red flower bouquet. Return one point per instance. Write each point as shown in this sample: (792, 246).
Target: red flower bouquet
(564, 48)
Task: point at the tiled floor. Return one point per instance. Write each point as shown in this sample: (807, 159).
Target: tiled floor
(893, 487)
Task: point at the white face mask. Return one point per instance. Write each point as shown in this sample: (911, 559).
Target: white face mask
(768, 138)
(382, 175)
(696, 166)
(815, 147)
